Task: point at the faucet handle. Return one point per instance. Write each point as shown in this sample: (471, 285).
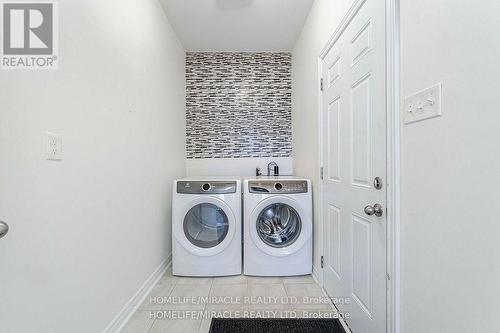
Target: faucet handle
(271, 167)
(257, 172)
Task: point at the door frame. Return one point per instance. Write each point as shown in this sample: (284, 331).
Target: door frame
(393, 154)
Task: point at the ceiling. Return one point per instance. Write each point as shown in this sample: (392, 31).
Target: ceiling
(237, 25)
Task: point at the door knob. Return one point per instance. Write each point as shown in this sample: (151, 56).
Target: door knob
(376, 210)
(4, 229)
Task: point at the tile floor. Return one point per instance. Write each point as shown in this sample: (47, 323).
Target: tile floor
(186, 305)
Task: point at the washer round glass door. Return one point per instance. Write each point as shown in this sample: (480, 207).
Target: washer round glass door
(206, 225)
(278, 225)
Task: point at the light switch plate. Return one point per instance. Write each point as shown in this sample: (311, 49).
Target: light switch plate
(423, 105)
(54, 146)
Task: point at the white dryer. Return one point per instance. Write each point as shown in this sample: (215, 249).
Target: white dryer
(206, 227)
(277, 226)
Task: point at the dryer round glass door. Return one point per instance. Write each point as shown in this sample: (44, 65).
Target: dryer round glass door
(278, 225)
(206, 225)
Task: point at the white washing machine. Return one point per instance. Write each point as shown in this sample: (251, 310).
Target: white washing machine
(206, 227)
(277, 226)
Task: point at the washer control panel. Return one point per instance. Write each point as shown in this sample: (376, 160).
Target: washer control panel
(278, 186)
(208, 187)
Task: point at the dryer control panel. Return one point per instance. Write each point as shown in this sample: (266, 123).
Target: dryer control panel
(277, 186)
(208, 187)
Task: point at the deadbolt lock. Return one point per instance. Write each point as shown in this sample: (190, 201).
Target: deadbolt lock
(377, 183)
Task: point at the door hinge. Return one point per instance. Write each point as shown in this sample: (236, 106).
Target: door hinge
(322, 261)
(321, 173)
(321, 84)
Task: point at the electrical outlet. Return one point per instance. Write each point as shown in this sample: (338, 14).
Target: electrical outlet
(54, 146)
(422, 105)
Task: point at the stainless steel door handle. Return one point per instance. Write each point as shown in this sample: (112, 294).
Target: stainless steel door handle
(4, 229)
(376, 210)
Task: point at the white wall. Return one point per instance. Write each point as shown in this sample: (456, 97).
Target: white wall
(450, 232)
(450, 177)
(322, 21)
(242, 167)
(86, 232)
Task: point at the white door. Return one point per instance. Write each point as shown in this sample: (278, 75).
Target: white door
(22, 255)
(354, 154)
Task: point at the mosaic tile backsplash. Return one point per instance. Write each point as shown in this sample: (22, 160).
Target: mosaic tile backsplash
(238, 105)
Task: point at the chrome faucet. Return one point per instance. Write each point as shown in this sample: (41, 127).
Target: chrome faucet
(272, 169)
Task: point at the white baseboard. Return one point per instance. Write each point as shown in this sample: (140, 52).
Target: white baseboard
(342, 321)
(136, 300)
(317, 276)
(325, 294)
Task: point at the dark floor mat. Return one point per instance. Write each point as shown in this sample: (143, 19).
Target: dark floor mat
(246, 325)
